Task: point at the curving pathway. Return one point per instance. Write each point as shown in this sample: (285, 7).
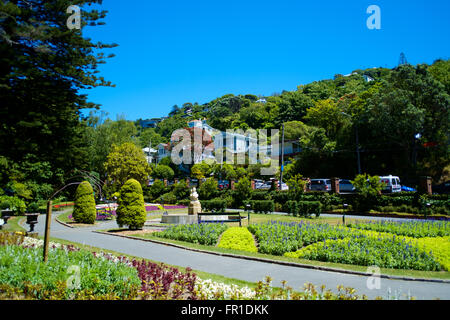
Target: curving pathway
(247, 270)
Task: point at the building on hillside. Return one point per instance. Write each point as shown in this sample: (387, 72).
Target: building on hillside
(151, 155)
(150, 123)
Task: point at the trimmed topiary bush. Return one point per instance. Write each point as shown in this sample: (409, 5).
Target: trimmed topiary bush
(84, 210)
(131, 210)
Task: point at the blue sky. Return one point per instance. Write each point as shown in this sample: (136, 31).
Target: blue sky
(172, 52)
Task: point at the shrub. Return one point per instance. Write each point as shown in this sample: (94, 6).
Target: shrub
(261, 195)
(84, 210)
(215, 205)
(208, 189)
(15, 204)
(181, 190)
(167, 198)
(307, 208)
(243, 191)
(262, 206)
(131, 210)
(184, 202)
(238, 239)
(155, 190)
(33, 207)
(291, 207)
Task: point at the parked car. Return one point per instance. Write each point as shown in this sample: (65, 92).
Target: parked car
(392, 184)
(320, 185)
(223, 184)
(263, 185)
(346, 186)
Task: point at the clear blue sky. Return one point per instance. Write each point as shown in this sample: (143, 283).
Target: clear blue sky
(178, 51)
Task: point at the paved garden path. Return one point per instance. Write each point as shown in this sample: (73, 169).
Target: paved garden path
(252, 271)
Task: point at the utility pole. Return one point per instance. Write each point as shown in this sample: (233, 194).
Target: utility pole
(357, 149)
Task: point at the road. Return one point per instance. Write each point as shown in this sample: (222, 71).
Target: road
(247, 270)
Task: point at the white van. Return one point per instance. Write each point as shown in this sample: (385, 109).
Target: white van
(392, 184)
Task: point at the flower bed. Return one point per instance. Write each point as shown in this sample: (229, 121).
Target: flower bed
(414, 229)
(388, 252)
(277, 238)
(238, 239)
(205, 233)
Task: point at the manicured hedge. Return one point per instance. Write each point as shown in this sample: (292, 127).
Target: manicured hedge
(215, 205)
(84, 210)
(262, 206)
(307, 208)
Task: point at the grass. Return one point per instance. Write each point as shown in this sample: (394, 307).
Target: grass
(15, 224)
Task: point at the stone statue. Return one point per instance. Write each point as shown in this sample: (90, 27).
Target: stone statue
(194, 206)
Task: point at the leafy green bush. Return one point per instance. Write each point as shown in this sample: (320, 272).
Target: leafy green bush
(262, 206)
(131, 210)
(307, 208)
(208, 189)
(181, 190)
(167, 198)
(291, 207)
(215, 205)
(261, 195)
(15, 204)
(238, 239)
(243, 191)
(84, 210)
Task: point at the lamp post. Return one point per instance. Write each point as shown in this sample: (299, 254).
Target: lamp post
(343, 216)
(248, 208)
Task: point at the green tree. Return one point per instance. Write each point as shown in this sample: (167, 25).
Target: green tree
(84, 210)
(44, 68)
(200, 170)
(242, 191)
(296, 186)
(131, 210)
(127, 161)
(163, 172)
(208, 189)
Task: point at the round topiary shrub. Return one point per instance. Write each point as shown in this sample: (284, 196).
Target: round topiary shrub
(131, 210)
(84, 210)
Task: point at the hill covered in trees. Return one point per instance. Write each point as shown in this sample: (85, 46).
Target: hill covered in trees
(400, 115)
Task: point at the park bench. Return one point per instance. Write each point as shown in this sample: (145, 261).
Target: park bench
(232, 217)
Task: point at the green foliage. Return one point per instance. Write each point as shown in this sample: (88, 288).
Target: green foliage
(163, 172)
(208, 189)
(127, 161)
(155, 190)
(262, 206)
(307, 208)
(181, 190)
(168, 198)
(23, 268)
(15, 204)
(200, 170)
(296, 186)
(204, 233)
(84, 210)
(291, 207)
(243, 190)
(215, 205)
(131, 210)
(238, 239)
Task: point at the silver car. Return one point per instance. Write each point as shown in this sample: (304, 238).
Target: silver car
(320, 185)
(346, 186)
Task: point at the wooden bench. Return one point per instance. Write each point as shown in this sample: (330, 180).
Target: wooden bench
(236, 217)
